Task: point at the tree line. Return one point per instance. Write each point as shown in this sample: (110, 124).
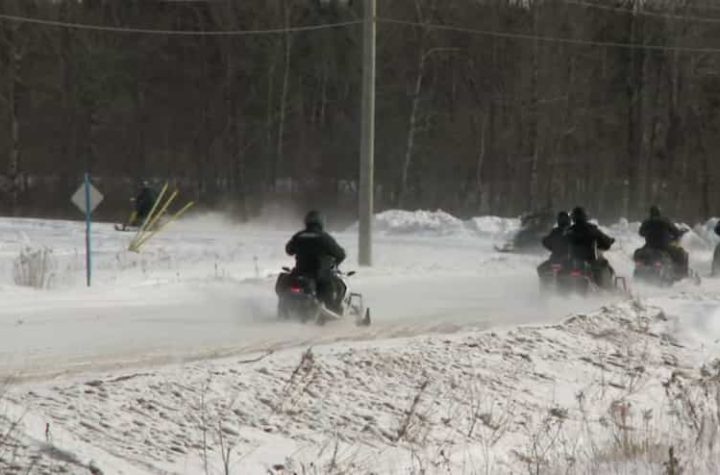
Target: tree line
(483, 107)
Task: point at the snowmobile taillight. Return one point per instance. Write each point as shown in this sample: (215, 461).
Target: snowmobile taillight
(296, 289)
(576, 273)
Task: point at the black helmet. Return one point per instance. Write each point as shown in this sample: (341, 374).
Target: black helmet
(579, 215)
(563, 219)
(654, 211)
(313, 218)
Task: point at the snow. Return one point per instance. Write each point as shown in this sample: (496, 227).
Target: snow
(466, 369)
(433, 223)
(493, 226)
(423, 223)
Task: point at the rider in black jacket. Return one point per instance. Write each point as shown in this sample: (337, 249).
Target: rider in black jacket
(317, 254)
(557, 243)
(663, 235)
(587, 242)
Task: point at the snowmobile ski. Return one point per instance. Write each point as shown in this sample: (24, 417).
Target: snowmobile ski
(506, 248)
(365, 321)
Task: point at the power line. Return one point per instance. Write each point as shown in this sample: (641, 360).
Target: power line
(548, 39)
(146, 31)
(647, 13)
(458, 29)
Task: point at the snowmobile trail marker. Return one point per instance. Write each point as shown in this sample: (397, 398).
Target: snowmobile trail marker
(87, 198)
(147, 236)
(150, 227)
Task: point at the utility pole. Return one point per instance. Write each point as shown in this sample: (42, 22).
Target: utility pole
(367, 145)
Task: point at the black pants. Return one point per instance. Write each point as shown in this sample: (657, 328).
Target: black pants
(680, 258)
(603, 273)
(328, 290)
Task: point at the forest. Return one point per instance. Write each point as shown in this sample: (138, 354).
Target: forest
(482, 106)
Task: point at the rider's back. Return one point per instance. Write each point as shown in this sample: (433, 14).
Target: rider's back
(315, 250)
(145, 200)
(557, 243)
(586, 239)
(659, 232)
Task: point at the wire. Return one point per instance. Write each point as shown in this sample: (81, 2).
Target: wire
(145, 31)
(548, 39)
(270, 31)
(667, 16)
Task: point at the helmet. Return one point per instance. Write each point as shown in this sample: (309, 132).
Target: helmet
(654, 211)
(563, 219)
(579, 215)
(313, 218)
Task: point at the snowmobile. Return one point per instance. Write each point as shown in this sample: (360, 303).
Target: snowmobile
(576, 277)
(298, 299)
(133, 224)
(655, 266)
(533, 228)
(572, 277)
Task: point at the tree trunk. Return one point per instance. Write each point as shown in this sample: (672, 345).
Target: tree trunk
(412, 130)
(279, 145)
(635, 135)
(480, 163)
(14, 84)
(533, 197)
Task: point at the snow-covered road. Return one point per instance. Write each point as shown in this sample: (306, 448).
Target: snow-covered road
(205, 289)
(91, 359)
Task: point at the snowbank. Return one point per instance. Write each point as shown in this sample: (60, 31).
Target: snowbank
(599, 391)
(706, 233)
(594, 390)
(624, 229)
(432, 223)
(440, 223)
(493, 226)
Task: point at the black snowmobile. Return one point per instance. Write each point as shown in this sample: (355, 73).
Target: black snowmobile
(533, 227)
(655, 266)
(577, 277)
(298, 300)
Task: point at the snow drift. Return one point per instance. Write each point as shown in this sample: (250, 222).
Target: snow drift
(425, 388)
(602, 392)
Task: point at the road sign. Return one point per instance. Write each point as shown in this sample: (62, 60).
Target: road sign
(87, 198)
(79, 199)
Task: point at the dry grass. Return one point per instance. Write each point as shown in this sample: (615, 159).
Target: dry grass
(35, 268)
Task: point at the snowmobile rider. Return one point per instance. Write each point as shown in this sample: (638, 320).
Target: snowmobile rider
(144, 202)
(317, 254)
(587, 242)
(557, 243)
(663, 235)
(533, 226)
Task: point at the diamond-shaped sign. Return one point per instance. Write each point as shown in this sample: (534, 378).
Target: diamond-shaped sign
(78, 198)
